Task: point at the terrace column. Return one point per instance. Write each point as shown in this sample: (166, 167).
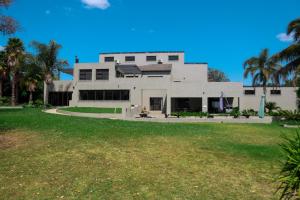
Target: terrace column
(168, 105)
(204, 104)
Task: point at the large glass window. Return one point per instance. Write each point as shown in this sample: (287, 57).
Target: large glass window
(102, 74)
(151, 58)
(104, 95)
(85, 74)
(109, 59)
(173, 58)
(129, 58)
(156, 103)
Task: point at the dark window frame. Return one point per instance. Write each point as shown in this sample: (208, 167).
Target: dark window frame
(85, 74)
(109, 59)
(102, 74)
(173, 57)
(151, 58)
(156, 103)
(104, 95)
(275, 92)
(249, 92)
(129, 58)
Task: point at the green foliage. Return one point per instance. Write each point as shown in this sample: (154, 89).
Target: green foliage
(248, 113)
(235, 112)
(290, 174)
(5, 101)
(215, 75)
(289, 115)
(271, 106)
(262, 69)
(189, 114)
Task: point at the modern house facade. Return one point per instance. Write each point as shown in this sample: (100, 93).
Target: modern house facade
(161, 82)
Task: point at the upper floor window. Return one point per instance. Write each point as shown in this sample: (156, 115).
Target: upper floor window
(249, 92)
(102, 74)
(173, 58)
(109, 59)
(85, 74)
(275, 92)
(129, 58)
(151, 58)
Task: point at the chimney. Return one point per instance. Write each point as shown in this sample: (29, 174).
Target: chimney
(76, 59)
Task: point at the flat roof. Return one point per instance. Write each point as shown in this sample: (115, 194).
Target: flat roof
(141, 52)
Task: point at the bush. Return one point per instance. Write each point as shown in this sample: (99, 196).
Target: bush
(5, 101)
(189, 114)
(235, 112)
(290, 115)
(38, 103)
(270, 106)
(290, 174)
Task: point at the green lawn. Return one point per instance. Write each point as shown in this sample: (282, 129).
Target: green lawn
(44, 156)
(92, 110)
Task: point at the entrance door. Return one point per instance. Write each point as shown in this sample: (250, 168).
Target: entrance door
(156, 103)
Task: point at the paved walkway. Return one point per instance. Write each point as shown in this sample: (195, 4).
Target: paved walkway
(218, 119)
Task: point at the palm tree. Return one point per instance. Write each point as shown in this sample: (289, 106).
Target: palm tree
(47, 58)
(15, 54)
(291, 55)
(294, 28)
(31, 76)
(262, 69)
(3, 70)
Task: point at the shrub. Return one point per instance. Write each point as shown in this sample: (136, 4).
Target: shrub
(39, 103)
(270, 106)
(235, 112)
(290, 115)
(5, 101)
(290, 174)
(189, 114)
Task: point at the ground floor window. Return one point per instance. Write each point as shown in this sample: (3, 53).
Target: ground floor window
(156, 103)
(59, 98)
(104, 95)
(215, 107)
(186, 104)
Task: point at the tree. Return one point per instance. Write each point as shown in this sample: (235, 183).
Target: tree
(291, 55)
(15, 55)
(3, 70)
(31, 76)
(47, 58)
(8, 25)
(215, 75)
(290, 173)
(262, 70)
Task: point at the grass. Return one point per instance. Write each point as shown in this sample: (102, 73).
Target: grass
(92, 110)
(44, 156)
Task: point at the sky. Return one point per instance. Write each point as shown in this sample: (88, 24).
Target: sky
(223, 33)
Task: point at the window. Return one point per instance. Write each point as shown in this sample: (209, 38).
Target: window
(151, 58)
(109, 59)
(85, 74)
(102, 74)
(155, 76)
(104, 95)
(156, 103)
(129, 58)
(249, 92)
(275, 92)
(173, 58)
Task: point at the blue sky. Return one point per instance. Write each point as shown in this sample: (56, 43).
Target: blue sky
(221, 32)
